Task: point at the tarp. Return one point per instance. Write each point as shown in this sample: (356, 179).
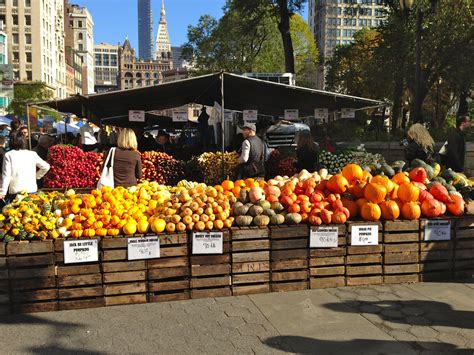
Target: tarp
(151, 120)
(240, 93)
(71, 128)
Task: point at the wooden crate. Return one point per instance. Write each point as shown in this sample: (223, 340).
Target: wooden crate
(250, 260)
(327, 266)
(31, 273)
(289, 255)
(211, 274)
(436, 257)
(464, 248)
(168, 276)
(401, 255)
(363, 262)
(79, 285)
(124, 281)
(4, 283)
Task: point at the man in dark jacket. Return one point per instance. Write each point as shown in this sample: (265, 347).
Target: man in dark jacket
(456, 148)
(252, 156)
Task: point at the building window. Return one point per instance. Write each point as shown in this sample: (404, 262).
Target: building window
(28, 20)
(80, 36)
(81, 47)
(113, 60)
(14, 2)
(28, 38)
(16, 57)
(2, 2)
(98, 60)
(15, 20)
(29, 75)
(28, 57)
(106, 60)
(15, 38)
(148, 82)
(28, 3)
(79, 24)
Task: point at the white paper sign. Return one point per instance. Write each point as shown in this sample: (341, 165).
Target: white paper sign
(81, 251)
(438, 230)
(228, 116)
(348, 113)
(321, 113)
(291, 114)
(208, 242)
(136, 116)
(365, 235)
(250, 116)
(180, 116)
(143, 248)
(323, 237)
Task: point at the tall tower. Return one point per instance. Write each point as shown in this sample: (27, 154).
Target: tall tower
(163, 44)
(145, 30)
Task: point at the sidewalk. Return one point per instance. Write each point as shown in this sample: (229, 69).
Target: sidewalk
(399, 319)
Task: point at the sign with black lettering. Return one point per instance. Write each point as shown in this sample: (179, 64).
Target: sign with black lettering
(323, 237)
(437, 229)
(365, 235)
(143, 248)
(250, 116)
(136, 116)
(81, 251)
(208, 242)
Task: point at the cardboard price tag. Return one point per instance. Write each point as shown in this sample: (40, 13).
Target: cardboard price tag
(321, 113)
(250, 116)
(136, 116)
(143, 248)
(323, 237)
(365, 235)
(81, 251)
(180, 116)
(438, 230)
(208, 242)
(291, 114)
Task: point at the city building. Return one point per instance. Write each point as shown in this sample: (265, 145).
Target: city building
(35, 33)
(82, 27)
(334, 23)
(6, 73)
(106, 67)
(74, 69)
(145, 30)
(178, 60)
(163, 43)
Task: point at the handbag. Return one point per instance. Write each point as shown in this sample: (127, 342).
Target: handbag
(107, 176)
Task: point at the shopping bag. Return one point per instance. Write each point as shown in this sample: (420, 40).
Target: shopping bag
(107, 176)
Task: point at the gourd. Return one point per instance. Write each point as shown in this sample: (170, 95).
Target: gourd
(243, 221)
(440, 193)
(352, 172)
(351, 206)
(337, 184)
(400, 178)
(418, 175)
(277, 219)
(240, 210)
(269, 212)
(431, 208)
(256, 194)
(390, 210)
(277, 207)
(261, 220)
(339, 217)
(408, 192)
(370, 212)
(255, 210)
(375, 193)
(411, 211)
(456, 207)
(293, 218)
(264, 204)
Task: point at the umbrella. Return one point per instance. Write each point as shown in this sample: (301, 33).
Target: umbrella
(71, 128)
(5, 121)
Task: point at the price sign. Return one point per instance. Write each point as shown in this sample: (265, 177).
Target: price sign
(438, 230)
(136, 116)
(208, 242)
(323, 237)
(250, 116)
(365, 235)
(180, 116)
(321, 113)
(348, 113)
(143, 248)
(81, 251)
(228, 116)
(291, 114)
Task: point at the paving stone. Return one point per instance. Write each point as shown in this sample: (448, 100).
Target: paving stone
(418, 320)
(251, 329)
(391, 313)
(424, 332)
(246, 341)
(237, 312)
(412, 311)
(437, 346)
(366, 292)
(232, 322)
(402, 335)
(373, 318)
(364, 299)
(451, 338)
(369, 308)
(396, 325)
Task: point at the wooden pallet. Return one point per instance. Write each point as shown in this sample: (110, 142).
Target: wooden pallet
(4, 283)
(364, 262)
(464, 248)
(436, 257)
(211, 274)
(328, 265)
(79, 285)
(289, 255)
(401, 255)
(31, 272)
(250, 260)
(124, 281)
(168, 276)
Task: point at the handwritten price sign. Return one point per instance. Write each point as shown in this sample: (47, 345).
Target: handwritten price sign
(208, 242)
(81, 251)
(323, 237)
(438, 230)
(143, 248)
(365, 235)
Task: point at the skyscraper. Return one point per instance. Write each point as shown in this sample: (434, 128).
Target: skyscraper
(145, 30)
(163, 44)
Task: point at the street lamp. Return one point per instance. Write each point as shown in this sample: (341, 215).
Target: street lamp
(416, 111)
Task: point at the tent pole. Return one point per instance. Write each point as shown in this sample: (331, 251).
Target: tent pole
(28, 124)
(222, 124)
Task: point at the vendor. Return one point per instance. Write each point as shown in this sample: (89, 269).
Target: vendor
(251, 158)
(307, 152)
(164, 144)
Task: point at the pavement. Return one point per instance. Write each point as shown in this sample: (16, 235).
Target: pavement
(384, 319)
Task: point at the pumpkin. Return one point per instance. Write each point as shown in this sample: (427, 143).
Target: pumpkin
(366, 176)
(170, 227)
(272, 190)
(360, 202)
(326, 216)
(400, 178)
(76, 233)
(425, 195)
(255, 210)
(352, 172)
(315, 220)
(337, 184)
(227, 185)
(411, 211)
(277, 219)
(338, 217)
(375, 193)
(113, 232)
(261, 221)
(408, 192)
(294, 208)
(384, 181)
(418, 175)
(143, 226)
(240, 210)
(256, 194)
(158, 225)
(293, 218)
(180, 226)
(440, 193)
(370, 212)
(101, 232)
(431, 208)
(218, 224)
(390, 210)
(420, 185)
(264, 204)
(243, 221)
(277, 207)
(88, 233)
(456, 207)
(269, 212)
(357, 189)
(130, 227)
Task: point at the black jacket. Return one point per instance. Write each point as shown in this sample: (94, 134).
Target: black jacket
(307, 159)
(456, 151)
(415, 151)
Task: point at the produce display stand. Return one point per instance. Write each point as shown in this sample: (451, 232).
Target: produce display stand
(327, 266)
(401, 256)
(464, 248)
(250, 260)
(4, 286)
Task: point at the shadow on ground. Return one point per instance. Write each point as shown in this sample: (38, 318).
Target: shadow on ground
(422, 313)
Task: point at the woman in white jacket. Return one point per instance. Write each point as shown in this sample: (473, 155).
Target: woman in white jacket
(21, 168)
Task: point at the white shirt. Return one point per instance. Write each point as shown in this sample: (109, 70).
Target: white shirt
(19, 171)
(87, 135)
(244, 156)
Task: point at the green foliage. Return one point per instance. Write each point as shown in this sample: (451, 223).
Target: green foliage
(28, 93)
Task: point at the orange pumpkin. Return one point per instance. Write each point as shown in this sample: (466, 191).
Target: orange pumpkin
(352, 172)
(360, 202)
(456, 207)
(390, 210)
(351, 206)
(400, 178)
(375, 193)
(337, 184)
(339, 217)
(370, 212)
(227, 185)
(411, 211)
(431, 208)
(407, 192)
(357, 189)
(384, 181)
(366, 176)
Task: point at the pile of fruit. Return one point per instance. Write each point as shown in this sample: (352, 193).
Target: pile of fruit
(211, 165)
(335, 162)
(162, 168)
(72, 167)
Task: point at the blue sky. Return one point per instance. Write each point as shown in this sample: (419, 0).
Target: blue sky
(115, 19)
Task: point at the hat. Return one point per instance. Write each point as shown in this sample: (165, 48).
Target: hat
(250, 126)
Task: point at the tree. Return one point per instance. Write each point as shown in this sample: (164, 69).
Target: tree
(24, 93)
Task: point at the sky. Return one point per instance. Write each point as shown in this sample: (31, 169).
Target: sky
(115, 19)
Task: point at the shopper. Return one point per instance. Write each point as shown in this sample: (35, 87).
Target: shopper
(420, 145)
(127, 164)
(203, 128)
(89, 142)
(164, 144)
(252, 156)
(3, 142)
(44, 143)
(307, 152)
(328, 144)
(21, 169)
(456, 144)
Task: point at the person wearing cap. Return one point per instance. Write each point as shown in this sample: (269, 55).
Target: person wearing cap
(252, 156)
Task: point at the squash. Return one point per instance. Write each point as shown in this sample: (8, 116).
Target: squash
(326, 216)
(339, 217)
(315, 220)
(88, 233)
(456, 207)
(261, 221)
(240, 210)
(431, 208)
(264, 204)
(390, 210)
(360, 202)
(277, 207)
(351, 206)
(323, 173)
(227, 185)
(440, 193)
(337, 184)
(293, 218)
(243, 221)
(143, 226)
(384, 181)
(255, 210)
(370, 212)
(411, 211)
(352, 172)
(400, 178)
(357, 189)
(277, 219)
(244, 196)
(375, 193)
(418, 175)
(387, 170)
(271, 190)
(256, 194)
(408, 192)
(425, 195)
(269, 212)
